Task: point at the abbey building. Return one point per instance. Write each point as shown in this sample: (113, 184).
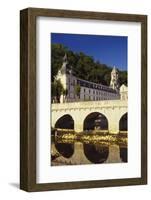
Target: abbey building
(82, 90)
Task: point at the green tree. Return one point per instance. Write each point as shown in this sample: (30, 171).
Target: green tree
(83, 66)
(57, 53)
(65, 92)
(57, 90)
(53, 91)
(123, 77)
(77, 90)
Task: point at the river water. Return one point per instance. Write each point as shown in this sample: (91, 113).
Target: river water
(72, 152)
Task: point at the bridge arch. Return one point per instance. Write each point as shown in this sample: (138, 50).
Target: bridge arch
(95, 120)
(65, 122)
(113, 110)
(123, 123)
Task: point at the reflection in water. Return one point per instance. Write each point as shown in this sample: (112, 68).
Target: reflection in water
(96, 153)
(65, 149)
(76, 152)
(123, 154)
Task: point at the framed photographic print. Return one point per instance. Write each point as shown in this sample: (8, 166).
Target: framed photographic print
(83, 92)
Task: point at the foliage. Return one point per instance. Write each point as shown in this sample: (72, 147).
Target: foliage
(57, 54)
(65, 92)
(56, 90)
(77, 90)
(83, 66)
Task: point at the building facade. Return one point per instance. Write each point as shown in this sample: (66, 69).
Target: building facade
(124, 92)
(83, 90)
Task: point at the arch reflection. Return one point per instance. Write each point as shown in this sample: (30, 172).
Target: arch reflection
(65, 149)
(123, 154)
(96, 153)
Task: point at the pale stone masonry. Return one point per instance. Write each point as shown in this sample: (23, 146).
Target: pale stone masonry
(113, 110)
(123, 92)
(89, 91)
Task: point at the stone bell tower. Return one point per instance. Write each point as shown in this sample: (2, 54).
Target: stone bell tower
(62, 73)
(64, 65)
(114, 83)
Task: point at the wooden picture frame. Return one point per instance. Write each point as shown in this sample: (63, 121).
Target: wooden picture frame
(28, 98)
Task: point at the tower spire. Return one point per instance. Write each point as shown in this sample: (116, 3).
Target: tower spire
(64, 65)
(114, 83)
(65, 58)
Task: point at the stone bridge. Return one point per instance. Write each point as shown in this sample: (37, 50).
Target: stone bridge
(113, 110)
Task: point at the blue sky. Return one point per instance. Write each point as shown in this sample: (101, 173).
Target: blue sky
(110, 50)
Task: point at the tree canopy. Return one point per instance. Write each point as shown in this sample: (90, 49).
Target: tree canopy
(83, 66)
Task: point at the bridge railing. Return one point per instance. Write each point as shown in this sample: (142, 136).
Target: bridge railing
(89, 104)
